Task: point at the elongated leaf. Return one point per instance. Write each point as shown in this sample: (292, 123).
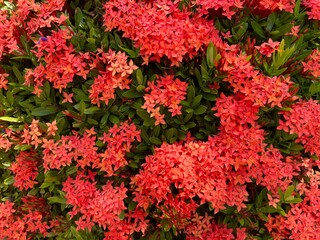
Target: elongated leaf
(43, 111)
(9, 180)
(257, 28)
(57, 199)
(10, 119)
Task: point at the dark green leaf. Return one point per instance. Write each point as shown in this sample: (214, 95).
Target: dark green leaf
(57, 199)
(196, 101)
(43, 111)
(139, 76)
(143, 114)
(114, 119)
(155, 140)
(92, 110)
(257, 28)
(132, 94)
(78, 17)
(297, 8)
(200, 110)
(314, 88)
(18, 74)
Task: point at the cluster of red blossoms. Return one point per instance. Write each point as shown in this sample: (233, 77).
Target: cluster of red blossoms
(165, 91)
(33, 216)
(30, 17)
(174, 180)
(156, 29)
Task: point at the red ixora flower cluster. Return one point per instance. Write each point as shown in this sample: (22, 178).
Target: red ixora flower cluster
(25, 222)
(313, 7)
(303, 120)
(119, 141)
(114, 75)
(165, 91)
(160, 29)
(60, 62)
(68, 149)
(267, 48)
(102, 207)
(29, 17)
(229, 8)
(25, 169)
(303, 219)
(5, 142)
(202, 227)
(312, 65)
(83, 150)
(3, 80)
(216, 171)
(260, 89)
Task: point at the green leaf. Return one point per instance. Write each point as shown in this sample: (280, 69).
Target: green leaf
(80, 95)
(87, 6)
(10, 119)
(211, 55)
(196, 101)
(139, 76)
(295, 147)
(294, 200)
(297, 8)
(132, 94)
(288, 193)
(155, 140)
(189, 110)
(170, 133)
(200, 110)
(75, 233)
(287, 136)
(154, 235)
(132, 53)
(78, 17)
(43, 111)
(71, 170)
(242, 30)
(114, 119)
(157, 130)
(122, 215)
(82, 107)
(132, 205)
(10, 97)
(92, 110)
(25, 44)
(228, 210)
(261, 196)
(22, 148)
(140, 88)
(143, 114)
(257, 28)
(46, 184)
(57, 199)
(314, 88)
(267, 209)
(9, 180)
(191, 92)
(18, 74)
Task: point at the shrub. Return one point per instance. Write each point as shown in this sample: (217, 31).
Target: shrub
(159, 119)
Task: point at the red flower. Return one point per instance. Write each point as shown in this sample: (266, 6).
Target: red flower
(268, 48)
(165, 91)
(25, 170)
